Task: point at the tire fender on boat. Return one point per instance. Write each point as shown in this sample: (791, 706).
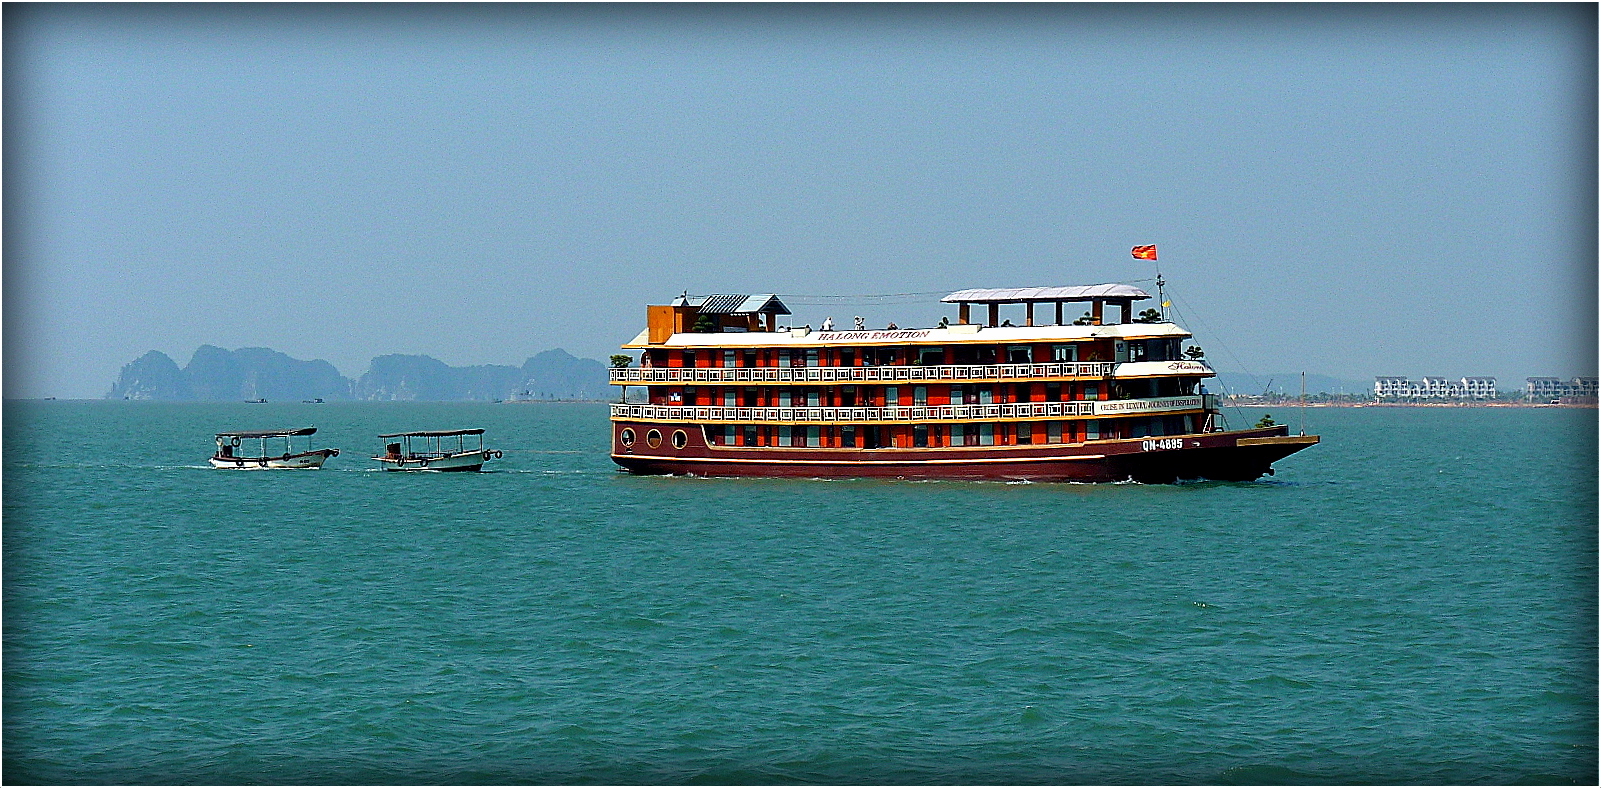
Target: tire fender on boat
(423, 463)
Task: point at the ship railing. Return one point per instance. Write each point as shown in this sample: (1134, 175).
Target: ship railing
(943, 372)
(903, 413)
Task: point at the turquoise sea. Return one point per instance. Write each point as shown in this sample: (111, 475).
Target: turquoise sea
(1411, 602)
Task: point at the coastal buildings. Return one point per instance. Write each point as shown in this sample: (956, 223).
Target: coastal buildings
(1398, 388)
(1547, 389)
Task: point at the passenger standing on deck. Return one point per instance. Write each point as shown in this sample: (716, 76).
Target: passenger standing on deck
(828, 324)
(861, 325)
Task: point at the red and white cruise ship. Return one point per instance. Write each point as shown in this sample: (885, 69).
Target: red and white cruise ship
(1095, 400)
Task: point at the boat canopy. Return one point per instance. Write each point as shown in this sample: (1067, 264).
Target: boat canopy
(267, 433)
(434, 433)
(734, 304)
(1023, 295)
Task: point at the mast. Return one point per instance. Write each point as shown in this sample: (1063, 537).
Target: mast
(1303, 402)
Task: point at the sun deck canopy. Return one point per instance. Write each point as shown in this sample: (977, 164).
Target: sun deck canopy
(1023, 295)
(734, 304)
(434, 433)
(267, 433)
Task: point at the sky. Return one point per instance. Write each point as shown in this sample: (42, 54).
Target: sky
(1342, 190)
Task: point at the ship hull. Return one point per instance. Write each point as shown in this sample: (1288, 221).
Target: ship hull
(468, 462)
(310, 460)
(1240, 455)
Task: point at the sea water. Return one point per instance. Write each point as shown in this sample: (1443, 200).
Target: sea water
(1411, 601)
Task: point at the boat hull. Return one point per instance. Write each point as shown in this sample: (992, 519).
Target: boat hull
(310, 460)
(1240, 455)
(463, 461)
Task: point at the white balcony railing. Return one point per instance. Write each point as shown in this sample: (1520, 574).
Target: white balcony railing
(1013, 410)
(956, 372)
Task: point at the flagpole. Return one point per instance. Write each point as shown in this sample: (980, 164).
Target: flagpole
(1161, 301)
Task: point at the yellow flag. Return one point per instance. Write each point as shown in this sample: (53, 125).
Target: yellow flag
(1167, 304)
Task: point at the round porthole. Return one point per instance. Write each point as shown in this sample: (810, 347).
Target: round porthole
(627, 437)
(680, 439)
(653, 438)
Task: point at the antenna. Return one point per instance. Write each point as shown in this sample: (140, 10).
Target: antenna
(1303, 402)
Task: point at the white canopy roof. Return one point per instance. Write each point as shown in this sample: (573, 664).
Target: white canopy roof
(1018, 295)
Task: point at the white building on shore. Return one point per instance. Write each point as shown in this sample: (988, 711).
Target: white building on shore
(1398, 387)
(1544, 389)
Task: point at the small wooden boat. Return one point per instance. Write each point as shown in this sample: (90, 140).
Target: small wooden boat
(230, 445)
(431, 451)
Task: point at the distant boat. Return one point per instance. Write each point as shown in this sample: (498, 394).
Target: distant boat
(229, 443)
(434, 453)
(256, 401)
(317, 401)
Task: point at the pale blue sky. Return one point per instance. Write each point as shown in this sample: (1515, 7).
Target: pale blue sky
(1344, 190)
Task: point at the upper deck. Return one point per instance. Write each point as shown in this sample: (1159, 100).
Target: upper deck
(805, 336)
(742, 321)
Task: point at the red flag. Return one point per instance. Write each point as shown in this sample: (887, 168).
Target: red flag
(1145, 252)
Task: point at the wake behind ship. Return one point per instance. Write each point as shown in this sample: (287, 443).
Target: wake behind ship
(731, 394)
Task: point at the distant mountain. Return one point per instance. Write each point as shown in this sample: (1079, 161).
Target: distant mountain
(215, 374)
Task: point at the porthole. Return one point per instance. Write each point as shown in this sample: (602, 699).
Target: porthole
(653, 438)
(627, 437)
(680, 439)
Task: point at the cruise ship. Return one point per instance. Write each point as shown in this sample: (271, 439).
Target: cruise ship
(1109, 396)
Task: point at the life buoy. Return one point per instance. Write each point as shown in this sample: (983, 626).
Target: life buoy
(423, 462)
(234, 442)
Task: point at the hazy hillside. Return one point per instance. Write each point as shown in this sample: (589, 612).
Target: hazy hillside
(217, 375)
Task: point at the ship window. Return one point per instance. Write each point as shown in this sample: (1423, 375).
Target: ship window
(892, 396)
(847, 357)
(931, 356)
(986, 434)
(1018, 354)
(847, 396)
(812, 399)
(626, 438)
(811, 358)
(728, 434)
(750, 435)
(1092, 429)
(653, 438)
(729, 358)
(1064, 352)
(783, 398)
(956, 395)
(689, 358)
(1136, 351)
(920, 436)
(920, 395)
(1053, 392)
(1053, 432)
(1092, 391)
(750, 358)
(680, 439)
(814, 436)
(847, 436)
(729, 397)
(1025, 434)
(783, 435)
(986, 395)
